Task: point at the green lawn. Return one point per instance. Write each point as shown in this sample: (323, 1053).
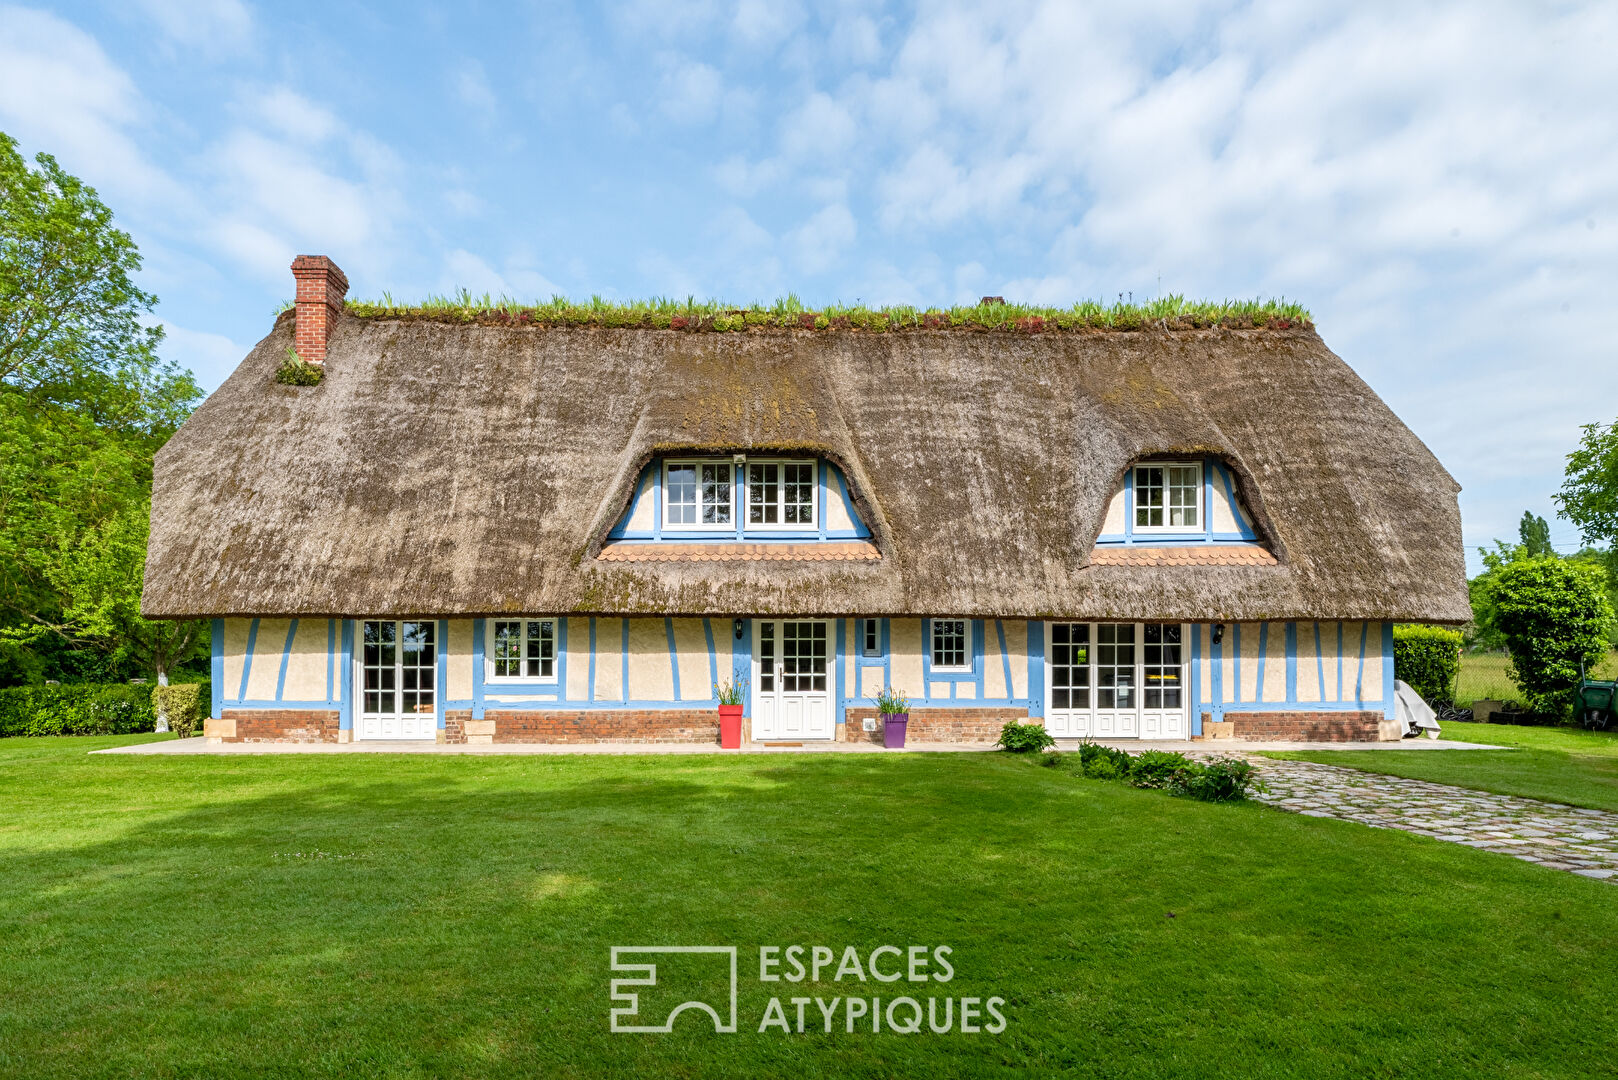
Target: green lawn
(1566, 765)
(442, 916)
(1483, 675)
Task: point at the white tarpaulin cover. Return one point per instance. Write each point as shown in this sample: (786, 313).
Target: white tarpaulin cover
(1415, 714)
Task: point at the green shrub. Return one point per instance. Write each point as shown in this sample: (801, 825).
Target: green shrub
(1104, 768)
(1429, 659)
(1103, 760)
(1156, 768)
(76, 709)
(1020, 738)
(1554, 614)
(1220, 780)
(181, 703)
(295, 371)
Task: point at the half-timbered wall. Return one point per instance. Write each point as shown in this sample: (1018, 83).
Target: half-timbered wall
(671, 663)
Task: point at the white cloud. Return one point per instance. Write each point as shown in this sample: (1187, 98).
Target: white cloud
(855, 38)
(201, 24)
(209, 356)
(463, 202)
(464, 270)
(820, 241)
(60, 93)
(472, 87)
(689, 91)
(293, 115)
(764, 24)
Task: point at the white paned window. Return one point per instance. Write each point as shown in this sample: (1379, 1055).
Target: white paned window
(522, 650)
(870, 638)
(1168, 497)
(696, 494)
(950, 645)
(781, 493)
(1164, 671)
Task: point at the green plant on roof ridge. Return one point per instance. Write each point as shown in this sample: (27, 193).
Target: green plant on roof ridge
(790, 313)
(296, 371)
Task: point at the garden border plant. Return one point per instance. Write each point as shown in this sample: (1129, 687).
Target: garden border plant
(1217, 780)
(1022, 738)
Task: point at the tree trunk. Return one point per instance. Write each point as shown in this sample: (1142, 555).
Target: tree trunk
(162, 699)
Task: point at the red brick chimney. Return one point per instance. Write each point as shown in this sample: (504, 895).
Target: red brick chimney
(321, 288)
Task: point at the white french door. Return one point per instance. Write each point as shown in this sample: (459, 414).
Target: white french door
(791, 696)
(396, 680)
(1116, 681)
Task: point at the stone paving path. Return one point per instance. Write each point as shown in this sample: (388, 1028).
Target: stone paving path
(1550, 834)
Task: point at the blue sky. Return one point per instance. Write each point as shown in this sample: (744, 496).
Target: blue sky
(1437, 182)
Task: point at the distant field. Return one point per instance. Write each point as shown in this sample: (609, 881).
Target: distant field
(1483, 675)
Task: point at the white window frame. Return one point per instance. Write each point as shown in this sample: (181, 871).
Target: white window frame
(870, 639)
(489, 677)
(746, 502)
(699, 525)
(1198, 505)
(966, 647)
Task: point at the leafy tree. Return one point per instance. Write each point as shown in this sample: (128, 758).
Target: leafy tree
(1554, 615)
(1589, 495)
(1535, 534)
(85, 402)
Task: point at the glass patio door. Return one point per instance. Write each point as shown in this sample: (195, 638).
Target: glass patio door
(397, 680)
(1116, 681)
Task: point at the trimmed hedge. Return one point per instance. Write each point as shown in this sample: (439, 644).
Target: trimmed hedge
(1429, 659)
(76, 709)
(181, 703)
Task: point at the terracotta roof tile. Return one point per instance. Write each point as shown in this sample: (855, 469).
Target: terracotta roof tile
(1193, 555)
(839, 551)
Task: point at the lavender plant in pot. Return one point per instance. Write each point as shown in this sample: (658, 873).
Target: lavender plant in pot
(895, 709)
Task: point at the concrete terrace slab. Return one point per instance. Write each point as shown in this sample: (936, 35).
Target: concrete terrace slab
(1219, 747)
(199, 746)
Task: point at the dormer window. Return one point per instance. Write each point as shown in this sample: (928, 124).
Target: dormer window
(1168, 497)
(781, 493)
(697, 494)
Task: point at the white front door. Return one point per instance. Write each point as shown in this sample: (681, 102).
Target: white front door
(791, 698)
(1115, 681)
(396, 680)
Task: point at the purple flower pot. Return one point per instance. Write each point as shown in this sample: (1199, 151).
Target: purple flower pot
(893, 730)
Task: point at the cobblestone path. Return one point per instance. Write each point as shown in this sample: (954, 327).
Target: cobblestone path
(1550, 834)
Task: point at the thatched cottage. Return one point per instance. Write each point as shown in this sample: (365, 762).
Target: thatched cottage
(495, 531)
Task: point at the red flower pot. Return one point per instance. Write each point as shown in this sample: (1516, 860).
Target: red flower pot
(730, 727)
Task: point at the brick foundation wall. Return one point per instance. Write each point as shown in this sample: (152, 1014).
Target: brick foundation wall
(455, 724)
(1306, 726)
(283, 725)
(935, 725)
(605, 725)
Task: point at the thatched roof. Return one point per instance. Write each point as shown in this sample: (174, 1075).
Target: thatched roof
(471, 469)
